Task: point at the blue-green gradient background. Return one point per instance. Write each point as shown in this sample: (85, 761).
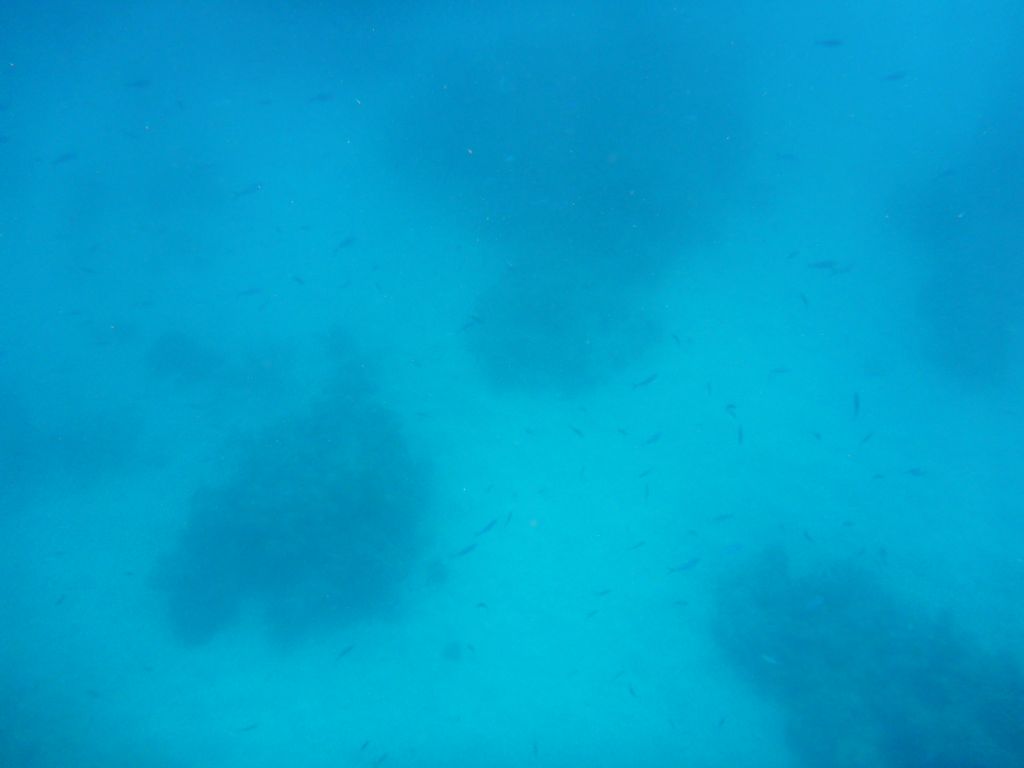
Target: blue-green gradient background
(510, 384)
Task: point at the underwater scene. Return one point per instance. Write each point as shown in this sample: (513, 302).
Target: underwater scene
(498, 384)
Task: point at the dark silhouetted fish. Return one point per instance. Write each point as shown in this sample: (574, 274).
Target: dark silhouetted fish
(252, 189)
(646, 382)
(472, 321)
(344, 652)
(685, 566)
(487, 527)
(464, 551)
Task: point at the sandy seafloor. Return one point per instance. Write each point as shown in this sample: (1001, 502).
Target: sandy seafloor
(804, 338)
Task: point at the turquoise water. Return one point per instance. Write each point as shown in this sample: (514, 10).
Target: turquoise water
(485, 384)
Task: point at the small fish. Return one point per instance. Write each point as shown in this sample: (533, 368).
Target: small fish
(320, 98)
(252, 189)
(804, 300)
(473, 321)
(856, 404)
(824, 264)
(645, 473)
(829, 42)
(814, 603)
(778, 371)
(245, 292)
(632, 690)
(685, 566)
(867, 438)
(739, 435)
(915, 472)
(247, 728)
(576, 430)
(346, 242)
(138, 84)
(487, 527)
(464, 551)
(646, 382)
(653, 439)
(675, 338)
(66, 157)
(723, 517)
(344, 652)
(893, 77)
(602, 593)
(590, 614)
(635, 546)
(364, 746)
(380, 760)
(731, 410)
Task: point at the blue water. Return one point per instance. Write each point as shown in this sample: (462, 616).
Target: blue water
(512, 384)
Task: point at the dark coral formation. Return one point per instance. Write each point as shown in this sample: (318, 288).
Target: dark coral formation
(588, 152)
(319, 526)
(863, 680)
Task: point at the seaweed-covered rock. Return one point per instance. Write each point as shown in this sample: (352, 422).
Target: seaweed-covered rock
(863, 680)
(318, 526)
